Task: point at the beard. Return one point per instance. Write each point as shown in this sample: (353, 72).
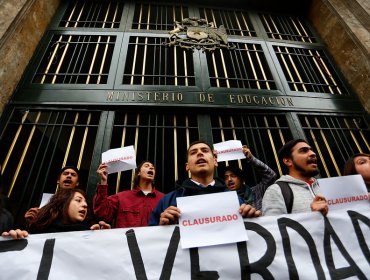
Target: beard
(304, 172)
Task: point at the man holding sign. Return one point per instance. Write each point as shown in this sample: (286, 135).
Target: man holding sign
(201, 163)
(130, 208)
(68, 178)
(298, 191)
(235, 180)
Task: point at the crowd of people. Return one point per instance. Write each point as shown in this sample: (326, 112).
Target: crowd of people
(295, 192)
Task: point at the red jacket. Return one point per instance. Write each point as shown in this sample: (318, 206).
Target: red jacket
(130, 208)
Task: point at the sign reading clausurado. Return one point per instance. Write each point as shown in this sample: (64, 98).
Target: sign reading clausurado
(304, 246)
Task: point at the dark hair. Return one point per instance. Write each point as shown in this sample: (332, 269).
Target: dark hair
(198, 142)
(70, 167)
(1, 191)
(1, 179)
(350, 166)
(236, 170)
(286, 151)
(137, 170)
(57, 208)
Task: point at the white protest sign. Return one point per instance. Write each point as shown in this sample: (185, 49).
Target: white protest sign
(210, 219)
(45, 199)
(295, 246)
(229, 150)
(344, 192)
(119, 159)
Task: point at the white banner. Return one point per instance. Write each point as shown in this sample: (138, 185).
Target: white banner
(305, 246)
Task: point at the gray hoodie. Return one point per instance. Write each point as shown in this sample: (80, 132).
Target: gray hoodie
(273, 201)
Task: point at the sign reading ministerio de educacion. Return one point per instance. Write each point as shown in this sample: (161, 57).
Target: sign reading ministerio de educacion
(198, 98)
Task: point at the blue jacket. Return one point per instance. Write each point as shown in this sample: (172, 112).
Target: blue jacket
(187, 188)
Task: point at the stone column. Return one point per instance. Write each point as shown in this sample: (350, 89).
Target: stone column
(344, 25)
(22, 24)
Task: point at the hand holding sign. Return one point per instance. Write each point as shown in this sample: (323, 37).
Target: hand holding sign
(248, 211)
(320, 204)
(247, 152)
(170, 216)
(229, 150)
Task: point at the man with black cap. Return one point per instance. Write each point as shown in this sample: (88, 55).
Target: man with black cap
(235, 180)
(68, 178)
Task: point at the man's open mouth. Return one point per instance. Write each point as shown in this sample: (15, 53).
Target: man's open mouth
(200, 161)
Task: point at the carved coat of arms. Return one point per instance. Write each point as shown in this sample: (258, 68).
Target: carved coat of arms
(194, 33)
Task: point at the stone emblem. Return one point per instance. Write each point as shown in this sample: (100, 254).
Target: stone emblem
(193, 33)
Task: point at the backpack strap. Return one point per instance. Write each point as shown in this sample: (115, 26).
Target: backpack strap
(287, 194)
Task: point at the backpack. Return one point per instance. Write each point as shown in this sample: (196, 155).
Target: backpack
(287, 194)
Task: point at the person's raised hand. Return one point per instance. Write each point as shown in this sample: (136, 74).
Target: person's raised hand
(31, 215)
(103, 173)
(247, 152)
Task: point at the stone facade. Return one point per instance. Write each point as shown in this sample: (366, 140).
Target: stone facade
(22, 24)
(343, 25)
(345, 28)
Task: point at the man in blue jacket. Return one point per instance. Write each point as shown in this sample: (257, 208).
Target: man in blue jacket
(201, 163)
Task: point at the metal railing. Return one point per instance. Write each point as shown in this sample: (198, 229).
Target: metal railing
(92, 14)
(335, 139)
(76, 59)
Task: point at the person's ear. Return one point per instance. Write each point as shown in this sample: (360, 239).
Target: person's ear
(186, 167)
(288, 162)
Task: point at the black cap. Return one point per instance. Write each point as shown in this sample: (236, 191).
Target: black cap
(70, 167)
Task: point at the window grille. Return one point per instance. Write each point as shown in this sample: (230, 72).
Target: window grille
(244, 67)
(335, 139)
(161, 138)
(150, 16)
(36, 144)
(263, 134)
(284, 27)
(150, 62)
(76, 59)
(309, 70)
(236, 22)
(92, 14)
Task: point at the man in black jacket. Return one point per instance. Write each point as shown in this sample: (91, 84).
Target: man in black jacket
(201, 163)
(235, 180)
